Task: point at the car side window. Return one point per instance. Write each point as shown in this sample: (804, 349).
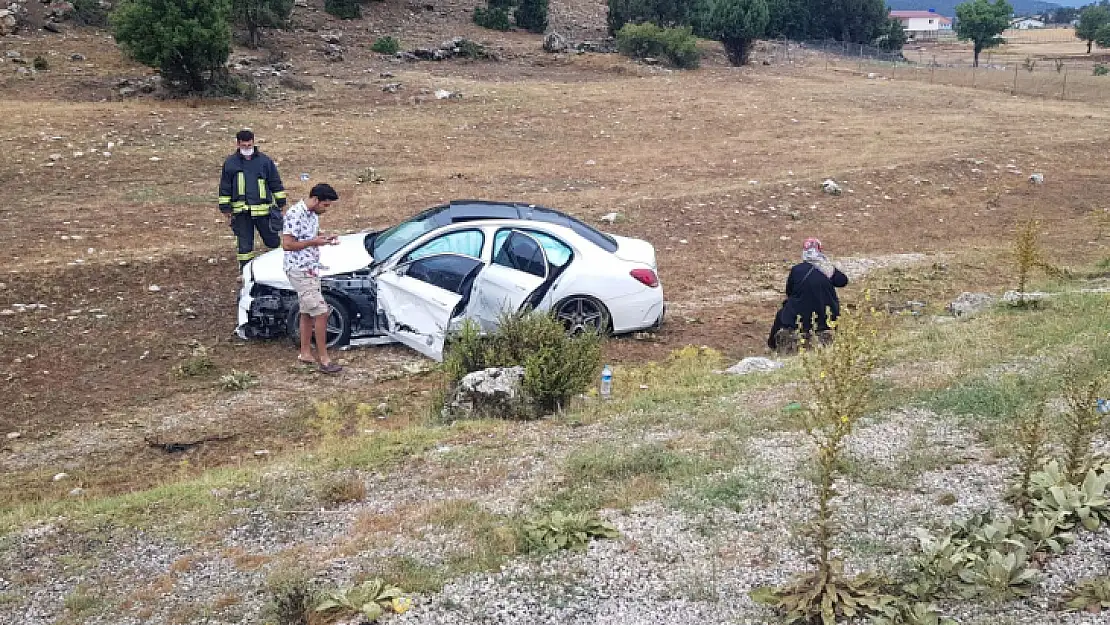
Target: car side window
(447, 271)
(464, 242)
(523, 253)
(558, 253)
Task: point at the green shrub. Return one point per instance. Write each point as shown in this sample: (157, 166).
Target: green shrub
(1101, 70)
(677, 45)
(493, 18)
(344, 9)
(199, 363)
(661, 12)
(292, 597)
(557, 366)
(189, 41)
(238, 380)
(40, 63)
(89, 13)
(531, 15)
(557, 531)
(386, 45)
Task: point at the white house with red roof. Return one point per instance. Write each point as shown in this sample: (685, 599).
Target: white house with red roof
(922, 21)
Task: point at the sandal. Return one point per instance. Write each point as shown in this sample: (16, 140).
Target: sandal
(302, 361)
(331, 367)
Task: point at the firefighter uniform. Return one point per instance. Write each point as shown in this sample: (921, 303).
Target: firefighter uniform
(252, 193)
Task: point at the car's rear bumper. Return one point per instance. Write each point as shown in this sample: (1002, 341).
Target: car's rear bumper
(638, 311)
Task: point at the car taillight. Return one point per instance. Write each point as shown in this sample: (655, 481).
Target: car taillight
(646, 276)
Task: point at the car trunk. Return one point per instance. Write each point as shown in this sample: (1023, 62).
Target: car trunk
(634, 250)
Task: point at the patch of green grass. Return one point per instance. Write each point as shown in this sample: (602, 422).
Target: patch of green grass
(81, 602)
(188, 506)
(734, 491)
(982, 397)
(612, 461)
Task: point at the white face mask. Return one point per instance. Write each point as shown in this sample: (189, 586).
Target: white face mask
(246, 151)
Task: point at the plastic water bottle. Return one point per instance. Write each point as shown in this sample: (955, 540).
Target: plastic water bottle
(606, 382)
(1103, 406)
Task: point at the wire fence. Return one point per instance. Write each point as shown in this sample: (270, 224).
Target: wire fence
(1045, 76)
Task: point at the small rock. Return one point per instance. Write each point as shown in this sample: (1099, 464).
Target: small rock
(13, 435)
(1014, 298)
(13, 54)
(154, 288)
(52, 27)
(60, 476)
(443, 94)
(829, 186)
(77, 492)
(610, 218)
(1036, 178)
(553, 42)
(754, 364)
(969, 304)
(77, 56)
(262, 452)
(385, 75)
(392, 87)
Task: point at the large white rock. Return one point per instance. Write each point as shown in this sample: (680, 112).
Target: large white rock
(968, 304)
(492, 392)
(754, 364)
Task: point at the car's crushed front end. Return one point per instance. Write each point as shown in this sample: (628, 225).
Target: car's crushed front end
(263, 310)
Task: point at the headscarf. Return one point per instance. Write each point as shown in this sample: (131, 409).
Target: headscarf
(813, 253)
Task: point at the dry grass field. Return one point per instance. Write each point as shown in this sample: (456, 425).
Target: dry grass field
(720, 168)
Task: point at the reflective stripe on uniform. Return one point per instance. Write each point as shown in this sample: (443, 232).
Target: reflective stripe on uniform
(246, 256)
(238, 207)
(279, 195)
(261, 189)
(225, 199)
(260, 210)
(241, 180)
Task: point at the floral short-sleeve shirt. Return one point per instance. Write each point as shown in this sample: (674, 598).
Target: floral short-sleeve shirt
(302, 224)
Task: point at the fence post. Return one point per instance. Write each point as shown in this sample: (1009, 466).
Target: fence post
(932, 69)
(974, 71)
(1064, 90)
(1014, 90)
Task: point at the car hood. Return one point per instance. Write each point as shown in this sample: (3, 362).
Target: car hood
(634, 250)
(349, 255)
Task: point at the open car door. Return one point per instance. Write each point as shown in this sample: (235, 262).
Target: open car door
(419, 299)
(519, 267)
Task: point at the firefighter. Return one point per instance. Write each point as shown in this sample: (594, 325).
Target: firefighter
(252, 196)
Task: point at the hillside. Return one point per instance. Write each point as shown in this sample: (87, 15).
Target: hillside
(948, 7)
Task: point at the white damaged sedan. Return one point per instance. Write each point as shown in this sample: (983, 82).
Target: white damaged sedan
(418, 280)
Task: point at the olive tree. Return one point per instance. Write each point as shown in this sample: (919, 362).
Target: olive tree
(1091, 20)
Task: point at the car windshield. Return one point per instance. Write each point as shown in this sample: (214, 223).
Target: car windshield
(388, 242)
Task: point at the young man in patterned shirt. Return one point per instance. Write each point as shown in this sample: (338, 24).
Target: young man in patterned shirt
(301, 240)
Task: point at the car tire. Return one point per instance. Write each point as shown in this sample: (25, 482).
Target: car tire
(581, 313)
(339, 322)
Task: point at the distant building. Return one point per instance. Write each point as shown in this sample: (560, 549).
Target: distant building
(923, 24)
(1026, 23)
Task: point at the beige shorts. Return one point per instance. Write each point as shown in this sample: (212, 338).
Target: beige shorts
(309, 296)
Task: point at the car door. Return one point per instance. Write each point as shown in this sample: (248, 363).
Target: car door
(420, 297)
(518, 268)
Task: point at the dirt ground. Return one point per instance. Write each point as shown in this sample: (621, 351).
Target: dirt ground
(111, 231)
